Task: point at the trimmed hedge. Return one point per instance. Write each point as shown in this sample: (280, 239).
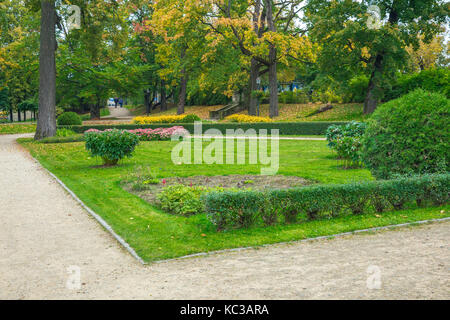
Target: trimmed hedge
(286, 128)
(242, 209)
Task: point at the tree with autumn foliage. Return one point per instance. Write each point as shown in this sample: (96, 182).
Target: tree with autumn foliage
(265, 33)
(351, 44)
(428, 55)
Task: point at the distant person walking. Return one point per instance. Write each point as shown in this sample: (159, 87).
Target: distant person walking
(116, 101)
(121, 102)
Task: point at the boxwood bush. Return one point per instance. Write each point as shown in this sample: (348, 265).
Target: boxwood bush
(242, 209)
(68, 119)
(409, 135)
(111, 145)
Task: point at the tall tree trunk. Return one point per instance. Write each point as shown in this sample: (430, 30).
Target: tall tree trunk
(95, 110)
(254, 65)
(19, 117)
(273, 86)
(163, 96)
(252, 101)
(11, 115)
(182, 96)
(24, 115)
(273, 82)
(147, 101)
(46, 124)
(373, 89)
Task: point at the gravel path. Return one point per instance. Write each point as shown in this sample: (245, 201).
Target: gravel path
(43, 232)
(119, 113)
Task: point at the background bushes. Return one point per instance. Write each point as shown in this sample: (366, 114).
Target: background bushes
(433, 80)
(409, 135)
(68, 119)
(242, 209)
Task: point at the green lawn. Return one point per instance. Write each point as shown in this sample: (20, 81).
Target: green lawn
(156, 235)
(17, 128)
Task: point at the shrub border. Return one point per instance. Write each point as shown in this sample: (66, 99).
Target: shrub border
(286, 128)
(243, 209)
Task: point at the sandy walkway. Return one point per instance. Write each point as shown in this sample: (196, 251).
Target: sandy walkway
(43, 232)
(119, 113)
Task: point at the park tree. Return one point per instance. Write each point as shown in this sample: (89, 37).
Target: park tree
(46, 123)
(370, 37)
(267, 32)
(142, 49)
(19, 51)
(4, 95)
(427, 55)
(90, 57)
(179, 43)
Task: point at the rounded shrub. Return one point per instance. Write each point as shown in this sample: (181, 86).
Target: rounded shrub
(408, 135)
(191, 118)
(111, 145)
(69, 119)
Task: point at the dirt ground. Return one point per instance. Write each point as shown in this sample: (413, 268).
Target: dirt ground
(144, 188)
(50, 248)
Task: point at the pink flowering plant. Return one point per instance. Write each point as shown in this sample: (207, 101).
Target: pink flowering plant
(158, 133)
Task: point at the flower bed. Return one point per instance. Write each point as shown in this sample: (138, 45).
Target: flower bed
(149, 134)
(158, 133)
(184, 118)
(247, 118)
(4, 116)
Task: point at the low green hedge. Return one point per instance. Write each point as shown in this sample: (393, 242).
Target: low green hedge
(74, 138)
(286, 128)
(242, 209)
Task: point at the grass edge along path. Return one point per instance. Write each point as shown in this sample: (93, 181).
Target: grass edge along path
(155, 235)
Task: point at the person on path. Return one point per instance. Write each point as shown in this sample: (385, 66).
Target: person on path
(121, 102)
(116, 101)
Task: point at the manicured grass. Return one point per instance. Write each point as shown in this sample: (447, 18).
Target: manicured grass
(17, 128)
(156, 235)
(288, 112)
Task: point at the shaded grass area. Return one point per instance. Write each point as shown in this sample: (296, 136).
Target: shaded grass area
(17, 128)
(301, 112)
(156, 235)
(288, 112)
